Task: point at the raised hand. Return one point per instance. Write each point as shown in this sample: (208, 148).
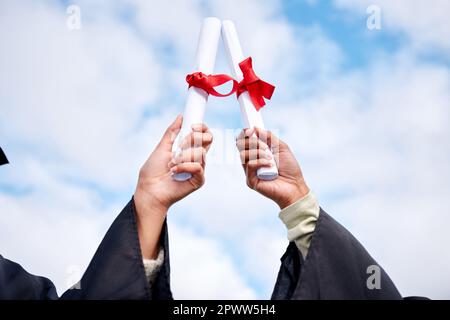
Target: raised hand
(156, 191)
(290, 185)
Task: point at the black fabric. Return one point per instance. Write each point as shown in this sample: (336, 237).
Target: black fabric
(288, 274)
(17, 284)
(335, 268)
(3, 159)
(115, 272)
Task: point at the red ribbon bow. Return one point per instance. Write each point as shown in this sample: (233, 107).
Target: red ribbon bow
(208, 82)
(257, 88)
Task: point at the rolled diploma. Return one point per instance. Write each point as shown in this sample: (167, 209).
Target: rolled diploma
(250, 116)
(194, 109)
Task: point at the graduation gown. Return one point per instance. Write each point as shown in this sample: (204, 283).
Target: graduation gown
(3, 159)
(335, 268)
(115, 272)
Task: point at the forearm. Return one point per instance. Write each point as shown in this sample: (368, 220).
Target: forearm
(150, 219)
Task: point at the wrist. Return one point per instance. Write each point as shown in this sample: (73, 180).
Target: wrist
(148, 205)
(150, 216)
(299, 191)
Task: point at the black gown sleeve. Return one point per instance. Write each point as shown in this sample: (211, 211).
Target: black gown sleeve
(336, 267)
(18, 284)
(115, 272)
(3, 159)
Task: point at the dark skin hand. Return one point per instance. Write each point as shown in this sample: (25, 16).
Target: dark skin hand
(290, 185)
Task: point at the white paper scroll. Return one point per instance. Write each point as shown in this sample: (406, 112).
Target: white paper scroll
(194, 109)
(250, 116)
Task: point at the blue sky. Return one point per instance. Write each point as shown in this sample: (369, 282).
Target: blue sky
(358, 43)
(365, 111)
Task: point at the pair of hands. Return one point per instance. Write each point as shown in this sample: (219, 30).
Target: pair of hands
(156, 191)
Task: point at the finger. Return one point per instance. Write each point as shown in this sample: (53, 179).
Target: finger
(252, 166)
(241, 135)
(200, 127)
(194, 168)
(245, 133)
(188, 167)
(271, 139)
(256, 164)
(171, 133)
(251, 143)
(265, 135)
(197, 139)
(248, 155)
(190, 155)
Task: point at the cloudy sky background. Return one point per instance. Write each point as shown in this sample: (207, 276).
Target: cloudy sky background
(366, 112)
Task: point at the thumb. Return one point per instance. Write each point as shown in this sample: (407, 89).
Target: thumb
(171, 133)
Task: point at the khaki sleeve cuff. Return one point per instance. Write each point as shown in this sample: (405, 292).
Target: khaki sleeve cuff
(300, 220)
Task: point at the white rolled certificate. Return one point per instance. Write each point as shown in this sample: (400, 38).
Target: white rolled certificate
(250, 116)
(197, 98)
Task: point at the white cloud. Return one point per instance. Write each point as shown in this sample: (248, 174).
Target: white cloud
(425, 22)
(70, 91)
(51, 226)
(202, 268)
(372, 142)
(81, 120)
(375, 148)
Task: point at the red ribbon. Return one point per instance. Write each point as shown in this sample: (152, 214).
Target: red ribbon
(208, 82)
(257, 88)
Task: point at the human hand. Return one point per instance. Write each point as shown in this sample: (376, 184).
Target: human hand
(156, 191)
(290, 185)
